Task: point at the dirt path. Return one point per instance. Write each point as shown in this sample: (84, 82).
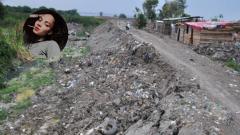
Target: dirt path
(222, 85)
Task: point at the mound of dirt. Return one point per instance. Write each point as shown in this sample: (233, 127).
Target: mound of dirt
(121, 87)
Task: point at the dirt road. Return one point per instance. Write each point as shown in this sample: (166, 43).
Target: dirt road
(222, 85)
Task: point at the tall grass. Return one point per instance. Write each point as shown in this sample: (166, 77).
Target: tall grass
(14, 37)
(11, 43)
(6, 56)
(12, 48)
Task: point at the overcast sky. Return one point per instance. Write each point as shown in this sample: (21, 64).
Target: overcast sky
(206, 8)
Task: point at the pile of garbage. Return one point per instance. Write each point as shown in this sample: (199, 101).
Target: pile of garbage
(220, 52)
(122, 87)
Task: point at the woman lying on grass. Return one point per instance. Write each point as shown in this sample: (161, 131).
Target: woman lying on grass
(45, 34)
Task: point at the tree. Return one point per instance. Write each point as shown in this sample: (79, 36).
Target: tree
(42, 7)
(217, 18)
(52, 9)
(220, 16)
(26, 9)
(1, 10)
(122, 16)
(140, 19)
(72, 12)
(137, 11)
(173, 8)
(186, 15)
(101, 14)
(181, 5)
(167, 11)
(149, 8)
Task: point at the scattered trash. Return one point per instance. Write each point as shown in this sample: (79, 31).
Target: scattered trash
(233, 85)
(191, 60)
(193, 79)
(67, 71)
(121, 87)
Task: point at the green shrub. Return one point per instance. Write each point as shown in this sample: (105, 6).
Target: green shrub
(1, 11)
(6, 56)
(122, 16)
(141, 21)
(8, 21)
(91, 21)
(233, 64)
(3, 114)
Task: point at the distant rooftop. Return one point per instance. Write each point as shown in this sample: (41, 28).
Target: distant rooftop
(208, 24)
(182, 18)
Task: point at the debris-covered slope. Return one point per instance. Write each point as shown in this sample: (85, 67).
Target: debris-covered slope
(122, 86)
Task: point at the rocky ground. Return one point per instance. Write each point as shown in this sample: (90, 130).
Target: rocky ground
(120, 87)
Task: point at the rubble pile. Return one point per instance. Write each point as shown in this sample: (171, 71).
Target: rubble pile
(221, 52)
(122, 87)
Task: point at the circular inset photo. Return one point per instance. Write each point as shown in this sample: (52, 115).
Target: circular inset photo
(45, 33)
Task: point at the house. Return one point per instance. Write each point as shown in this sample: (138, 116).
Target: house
(195, 33)
(167, 25)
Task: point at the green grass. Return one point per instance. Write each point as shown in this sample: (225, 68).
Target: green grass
(86, 21)
(85, 50)
(3, 114)
(17, 109)
(6, 98)
(32, 79)
(21, 106)
(14, 37)
(233, 64)
(71, 52)
(24, 87)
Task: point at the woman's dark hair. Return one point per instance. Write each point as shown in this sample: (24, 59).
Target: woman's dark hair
(59, 30)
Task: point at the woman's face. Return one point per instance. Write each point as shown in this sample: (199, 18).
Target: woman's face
(44, 25)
